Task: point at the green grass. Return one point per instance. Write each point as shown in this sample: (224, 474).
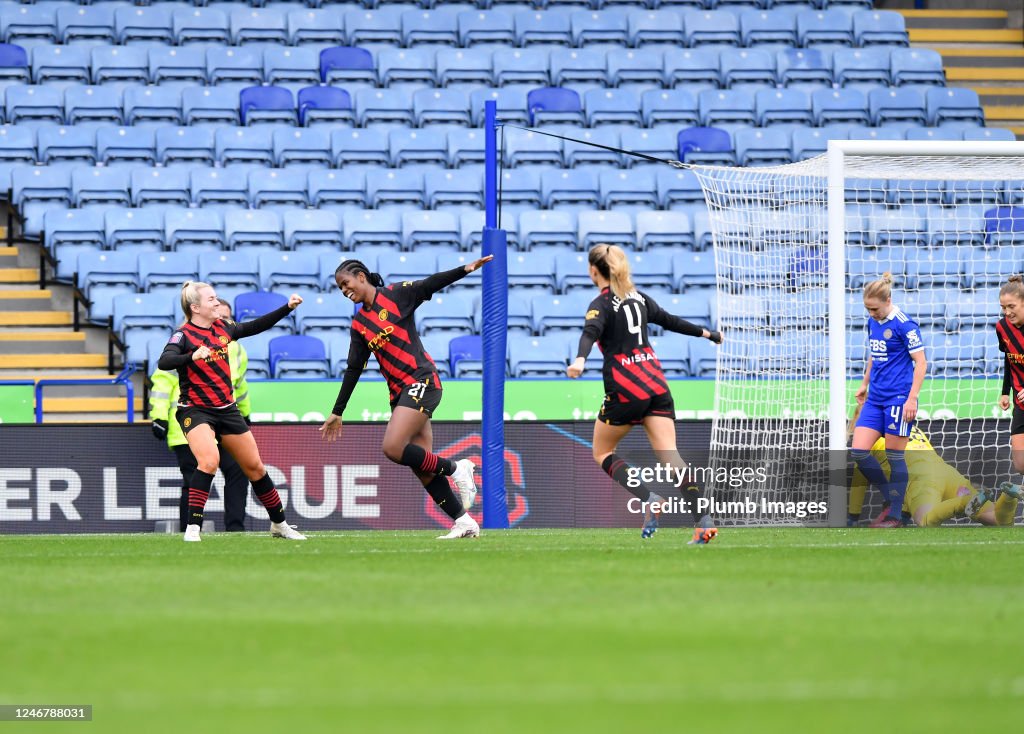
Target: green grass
(524, 631)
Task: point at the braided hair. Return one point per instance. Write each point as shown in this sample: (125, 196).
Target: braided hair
(357, 266)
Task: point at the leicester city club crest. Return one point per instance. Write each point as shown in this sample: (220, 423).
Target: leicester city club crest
(887, 333)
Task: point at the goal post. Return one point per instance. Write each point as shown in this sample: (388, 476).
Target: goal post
(794, 246)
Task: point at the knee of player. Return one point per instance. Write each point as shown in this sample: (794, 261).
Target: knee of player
(393, 450)
(1018, 461)
(208, 466)
(600, 456)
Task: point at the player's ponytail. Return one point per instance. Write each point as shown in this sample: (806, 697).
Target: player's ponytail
(880, 289)
(1013, 287)
(190, 296)
(611, 262)
(355, 267)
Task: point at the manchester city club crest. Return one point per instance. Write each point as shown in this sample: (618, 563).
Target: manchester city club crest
(188, 422)
(383, 314)
(887, 333)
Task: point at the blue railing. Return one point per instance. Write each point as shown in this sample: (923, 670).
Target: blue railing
(124, 378)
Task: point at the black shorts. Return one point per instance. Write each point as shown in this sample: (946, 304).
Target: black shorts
(224, 421)
(421, 396)
(615, 412)
(1017, 422)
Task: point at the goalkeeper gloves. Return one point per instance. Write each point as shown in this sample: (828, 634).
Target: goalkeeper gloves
(160, 429)
(715, 336)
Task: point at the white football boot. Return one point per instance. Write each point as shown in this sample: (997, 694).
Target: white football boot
(463, 478)
(464, 527)
(286, 531)
(192, 534)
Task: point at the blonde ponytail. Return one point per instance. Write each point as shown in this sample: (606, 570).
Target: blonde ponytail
(880, 289)
(190, 296)
(611, 262)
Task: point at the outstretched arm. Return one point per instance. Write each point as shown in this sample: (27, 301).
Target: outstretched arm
(240, 330)
(657, 315)
(425, 289)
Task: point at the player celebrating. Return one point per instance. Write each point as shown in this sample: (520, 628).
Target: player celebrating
(936, 491)
(895, 373)
(386, 327)
(206, 405)
(1011, 344)
(635, 388)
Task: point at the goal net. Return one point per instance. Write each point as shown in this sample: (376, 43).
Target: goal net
(794, 246)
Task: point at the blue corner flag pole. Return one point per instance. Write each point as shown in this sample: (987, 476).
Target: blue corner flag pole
(495, 327)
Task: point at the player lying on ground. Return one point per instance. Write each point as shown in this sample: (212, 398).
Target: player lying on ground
(936, 491)
(636, 392)
(385, 326)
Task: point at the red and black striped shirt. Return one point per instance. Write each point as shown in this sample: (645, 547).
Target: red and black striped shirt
(387, 329)
(207, 382)
(1011, 343)
(631, 369)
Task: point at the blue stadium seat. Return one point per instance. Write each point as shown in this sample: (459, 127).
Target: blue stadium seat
(783, 106)
(931, 269)
(251, 305)
(230, 269)
(324, 104)
(337, 347)
(612, 106)
(42, 184)
(252, 228)
(676, 106)
(521, 186)
(803, 66)
(954, 105)
(463, 66)
(441, 107)
(257, 347)
(166, 269)
(767, 27)
(916, 66)
(107, 268)
(660, 142)
(465, 356)
(17, 145)
(554, 104)
(257, 26)
(978, 191)
(872, 27)
(693, 270)
(291, 66)
(678, 187)
(832, 106)
(762, 147)
(987, 268)
(168, 186)
(955, 356)
(299, 147)
(569, 187)
(207, 105)
(200, 25)
(571, 271)
(726, 106)
(453, 188)
(989, 133)
(935, 133)
(904, 226)
(712, 27)
(465, 147)
(613, 228)
(384, 187)
(250, 145)
(824, 27)
(693, 66)
(93, 104)
(311, 228)
(406, 66)
(33, 104)
(267, 105)
(194, 146)
(957, 226)
(29, 23)
(710, 145)
(664, 229)
(635, 66)
(533, 27)
(437, 26)
(629, 188)
(747, 66)
(427, 229)
(211, 186)
(560, 312)
(383, 106)
(288, 270)
(177, 65)
(382, 26)
(546, 228)
(447, 313)
(72, 227)
(100, 186)
(703, 358)
(285, 187)
(14, 64)
(152, 24)
(897, 105)
(372, 228)
(583, 153)
(401, 266)
(537, 356)
(656, 27)
(528, 147)
(120, 64)
(91, 23)
(298, 357)
(861, 66)
(1004, 226)
(589, 28)
(322, 314)
(972, 310)
(510, 103)
(66, 144)
(347, 64)
(493, 27)
(533, 270)
(319, 26)
(337, 188)
(576, 66)
(521, 66)
(234, 65)
(423, 146)
(200, 230)
(673, 355)
(60, 63)
(810, 142)
(141, 230)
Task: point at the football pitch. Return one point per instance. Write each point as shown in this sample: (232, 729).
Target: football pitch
(765, 630)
